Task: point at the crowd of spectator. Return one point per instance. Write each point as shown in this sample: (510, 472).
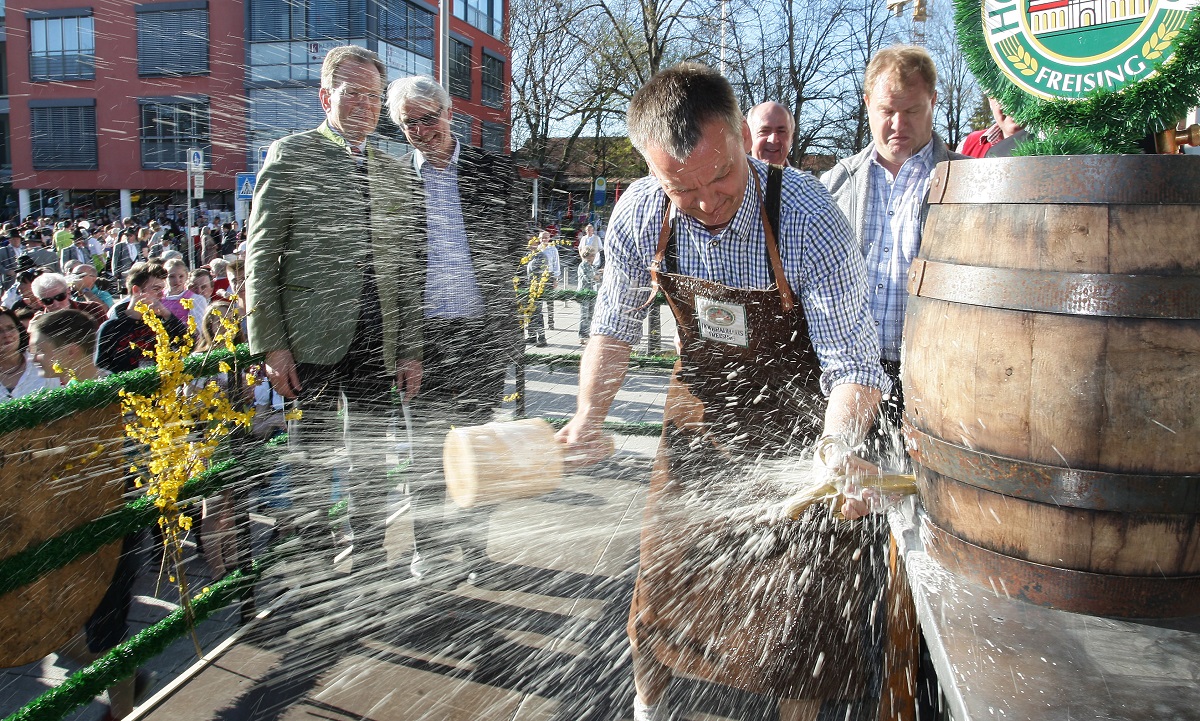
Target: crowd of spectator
(49, 267)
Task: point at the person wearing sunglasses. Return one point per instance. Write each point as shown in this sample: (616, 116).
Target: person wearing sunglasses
(52, 292)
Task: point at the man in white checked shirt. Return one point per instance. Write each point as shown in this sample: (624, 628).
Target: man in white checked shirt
(884, 190)
(769, 294)
(463, 217)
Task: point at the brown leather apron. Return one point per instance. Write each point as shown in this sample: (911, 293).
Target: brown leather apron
(778, 608)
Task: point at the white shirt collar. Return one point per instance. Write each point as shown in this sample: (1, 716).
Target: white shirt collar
(419, 158)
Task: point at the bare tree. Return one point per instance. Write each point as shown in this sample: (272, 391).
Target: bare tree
(958, 93)
(874, 29)
(551, 94)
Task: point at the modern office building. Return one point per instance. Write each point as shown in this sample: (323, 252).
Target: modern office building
(105, 99)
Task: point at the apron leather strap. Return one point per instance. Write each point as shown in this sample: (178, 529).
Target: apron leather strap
(768, 211)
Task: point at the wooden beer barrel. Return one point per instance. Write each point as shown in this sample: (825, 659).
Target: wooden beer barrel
(1052, 379)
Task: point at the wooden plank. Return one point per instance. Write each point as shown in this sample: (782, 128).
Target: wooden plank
(1151, 388)
(1079, 539)
(1066, 403)
(1154, 239)
(1036, 237)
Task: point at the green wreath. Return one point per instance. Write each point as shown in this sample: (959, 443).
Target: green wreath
(1102, 122)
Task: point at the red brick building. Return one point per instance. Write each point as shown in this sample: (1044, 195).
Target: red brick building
(106, 98)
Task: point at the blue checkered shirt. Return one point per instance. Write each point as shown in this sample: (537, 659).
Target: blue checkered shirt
(891, 239)
(450, 287)
(820, 261)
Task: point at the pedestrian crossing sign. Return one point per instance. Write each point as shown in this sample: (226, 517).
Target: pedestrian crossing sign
(245, 186)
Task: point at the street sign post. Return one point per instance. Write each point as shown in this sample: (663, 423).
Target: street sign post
(195, 176)
(262, 155)
(244, 186)
(195, 160)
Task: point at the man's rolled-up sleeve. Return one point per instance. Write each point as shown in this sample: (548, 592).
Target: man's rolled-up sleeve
(836, 304)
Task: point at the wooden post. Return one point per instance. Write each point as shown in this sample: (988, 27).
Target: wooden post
(902, 648)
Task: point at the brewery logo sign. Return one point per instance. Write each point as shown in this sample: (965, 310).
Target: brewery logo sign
(1066, 49)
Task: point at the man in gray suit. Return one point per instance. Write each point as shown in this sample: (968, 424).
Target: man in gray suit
(464, 219)
(328, 304)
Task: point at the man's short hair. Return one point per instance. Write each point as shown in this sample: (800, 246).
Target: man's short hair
(349, 53)
(142, 272)
(66, 326)
(80, 271)
(761, 107)
(47, 281)
(903, 65)
(419, 87)
(670, 111)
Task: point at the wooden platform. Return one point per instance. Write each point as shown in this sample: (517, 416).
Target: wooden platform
(541, 638)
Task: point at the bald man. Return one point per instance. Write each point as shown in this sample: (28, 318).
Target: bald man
(772, 128)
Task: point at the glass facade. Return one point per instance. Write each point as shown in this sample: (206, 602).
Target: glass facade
(277, 20)
(485, 15)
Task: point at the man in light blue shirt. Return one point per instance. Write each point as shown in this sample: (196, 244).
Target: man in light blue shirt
(883, 190)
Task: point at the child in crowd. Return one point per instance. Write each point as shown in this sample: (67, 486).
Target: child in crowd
(201, 283)
(178, 291)
(589, 276)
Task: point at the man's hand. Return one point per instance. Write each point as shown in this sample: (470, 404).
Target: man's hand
(281, 371)
(835, 463)
(408, 378)
(583, 443)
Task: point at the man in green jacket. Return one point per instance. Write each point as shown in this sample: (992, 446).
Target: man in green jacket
(327, 301)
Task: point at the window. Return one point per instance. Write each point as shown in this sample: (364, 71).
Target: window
(168, 127)
(172, 39)
(407, 25)
(493, 81)
(5, 154)
(63, 134)
(497, 18)
(62, 46)
(487, 15)
(463, 127)
(460, 69)
(335, 19)
(493, 137)
(275, 20)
